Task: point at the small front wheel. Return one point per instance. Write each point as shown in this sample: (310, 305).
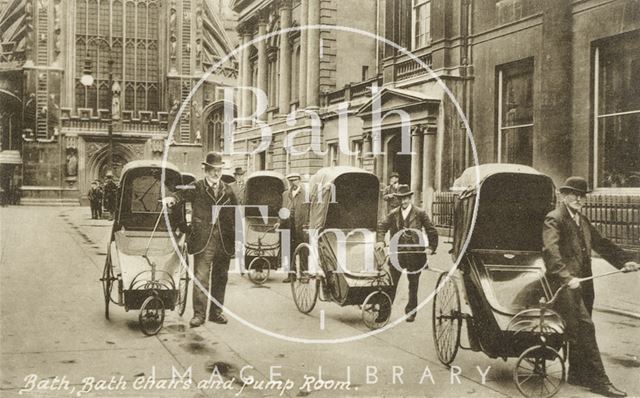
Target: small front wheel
(151, 315)
(539, 372)
(376, 310)
(259, 269)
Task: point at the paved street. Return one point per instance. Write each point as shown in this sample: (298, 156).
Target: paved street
(53, 325)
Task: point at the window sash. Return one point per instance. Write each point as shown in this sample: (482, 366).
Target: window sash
(509, 135)
(421, 24)
(604, 175)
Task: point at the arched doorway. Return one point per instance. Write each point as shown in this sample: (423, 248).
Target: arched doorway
(98, 164)
(396, 161)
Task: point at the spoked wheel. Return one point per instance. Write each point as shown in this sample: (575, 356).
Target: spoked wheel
(259, 269)
(183, 285)
(304, 286)
(447, 319)
(151, 315)
(539, 372)
(376, 310)
(107, 284)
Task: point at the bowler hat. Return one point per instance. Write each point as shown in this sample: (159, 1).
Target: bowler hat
(292, 176)
(213, 159)
(394, 174)
(238, 171)
(575, 184)
(403, 190)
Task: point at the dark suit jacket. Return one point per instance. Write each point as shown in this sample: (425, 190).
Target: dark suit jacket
(299, 212)
(567, 252)
(238, 190)
(417, 219)
(203, 200)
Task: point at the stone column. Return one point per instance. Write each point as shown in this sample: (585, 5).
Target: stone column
(416, 164)
(428, 167)
(285, 59)
(240, 79)
(313, 56)
(302, 80)
(263, 62)
(246, 79)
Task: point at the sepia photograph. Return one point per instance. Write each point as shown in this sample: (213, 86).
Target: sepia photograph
(324, 198)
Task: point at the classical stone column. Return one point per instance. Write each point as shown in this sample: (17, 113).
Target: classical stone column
(240, 79)
(416, 163)
(263, 62)
(285, 59)
(246, 79)
(302, 80)
(428, 168)
(313, 56)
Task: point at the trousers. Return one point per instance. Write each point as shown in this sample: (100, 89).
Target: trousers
(575, 307)
(414, 281)
(211, 268)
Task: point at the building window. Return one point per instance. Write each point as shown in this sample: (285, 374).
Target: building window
(515, 113)
(617, 113)
(356, 158)
(332, 155)
(421, 23)
(295, 76)
(133, 33)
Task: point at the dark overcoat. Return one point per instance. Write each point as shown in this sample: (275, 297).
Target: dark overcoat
(418, 220)
(567, 249)
(203, 201)
(298, 207)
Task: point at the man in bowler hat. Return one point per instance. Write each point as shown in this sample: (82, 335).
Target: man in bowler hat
(238, 186)
(410, 251)
(389, 194)
(211, 240)
(568, 239)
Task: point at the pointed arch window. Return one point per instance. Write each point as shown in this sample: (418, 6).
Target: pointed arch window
(132, 29)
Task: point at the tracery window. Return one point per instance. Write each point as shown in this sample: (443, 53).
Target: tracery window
(131, 26)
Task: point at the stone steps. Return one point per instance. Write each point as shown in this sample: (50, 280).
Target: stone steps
(49, 202)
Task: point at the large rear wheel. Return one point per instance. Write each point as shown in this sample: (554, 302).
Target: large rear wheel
(183, 285)
(107, 284)
(539, 372)
(304, 286)
(447, 319)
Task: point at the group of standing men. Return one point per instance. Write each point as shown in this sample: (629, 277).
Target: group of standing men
(103, 196)
(567, 235)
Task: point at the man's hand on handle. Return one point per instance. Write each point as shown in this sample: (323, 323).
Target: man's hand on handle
(574, 283)
(631, 266)
(169, 201)
(379, 245)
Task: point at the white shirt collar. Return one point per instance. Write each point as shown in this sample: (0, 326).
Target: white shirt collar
(211, 183)
(295, 191)
(575, 215)
(405, 212)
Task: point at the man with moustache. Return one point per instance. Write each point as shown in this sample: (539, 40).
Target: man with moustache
(568, 239)
(211, 240)
(411, 256)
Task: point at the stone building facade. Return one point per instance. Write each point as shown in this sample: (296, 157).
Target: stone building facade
(156, 51)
